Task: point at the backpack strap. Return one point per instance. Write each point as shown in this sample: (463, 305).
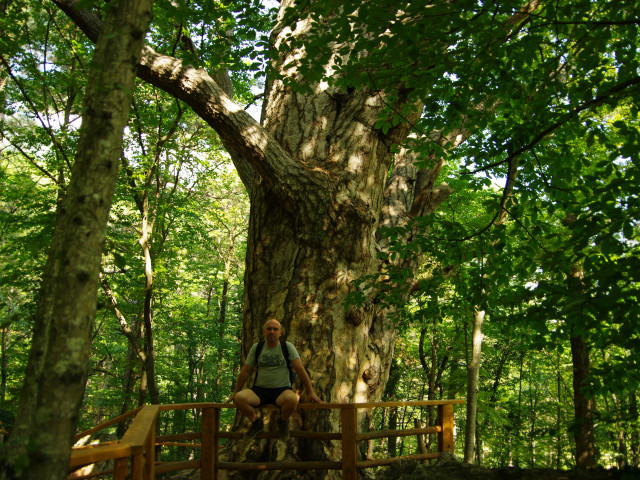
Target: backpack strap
(285, 353)
(256, 356)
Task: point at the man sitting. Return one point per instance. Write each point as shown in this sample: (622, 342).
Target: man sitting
(273, 382)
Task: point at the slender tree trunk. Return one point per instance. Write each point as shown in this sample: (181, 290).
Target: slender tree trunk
(583, 401)
(473, 386)
(635, 430)
(4, 347)
(127, 387)
(559, 419)
(147, 316)
(583, 404)
(622, 459)
(57, 367)
(393, 423)
(430, 369)
(228, 261)
(533, 402)
(518, 425)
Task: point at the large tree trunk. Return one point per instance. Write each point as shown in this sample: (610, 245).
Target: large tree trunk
(316, 170)
(57, 367)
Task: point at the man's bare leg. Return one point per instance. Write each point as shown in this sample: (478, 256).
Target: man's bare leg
(287, 401)
(246, 400)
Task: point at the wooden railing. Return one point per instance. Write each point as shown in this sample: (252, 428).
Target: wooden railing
(131, 454)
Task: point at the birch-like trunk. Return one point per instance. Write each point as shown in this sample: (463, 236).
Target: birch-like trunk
(473, 386)
(57, 366)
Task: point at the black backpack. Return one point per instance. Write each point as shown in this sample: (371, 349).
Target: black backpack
(285, 353)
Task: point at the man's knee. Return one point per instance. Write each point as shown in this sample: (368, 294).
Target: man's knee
(288, 398)
(247, 397)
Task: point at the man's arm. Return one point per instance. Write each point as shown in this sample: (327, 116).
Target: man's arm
(302, 373)
(244, 374)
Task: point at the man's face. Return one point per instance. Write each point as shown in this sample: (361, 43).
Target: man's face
(272, 332)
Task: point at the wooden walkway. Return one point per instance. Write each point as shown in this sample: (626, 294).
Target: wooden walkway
(139, 443)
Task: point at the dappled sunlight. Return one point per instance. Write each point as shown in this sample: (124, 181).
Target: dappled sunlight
(257, 133)
(362, 392)
(355, 163)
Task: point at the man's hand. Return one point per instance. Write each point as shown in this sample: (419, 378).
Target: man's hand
(315, 398)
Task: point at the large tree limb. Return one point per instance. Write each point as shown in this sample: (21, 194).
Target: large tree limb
(254, 148)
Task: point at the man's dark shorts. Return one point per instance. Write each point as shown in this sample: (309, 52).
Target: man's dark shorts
(268, 395)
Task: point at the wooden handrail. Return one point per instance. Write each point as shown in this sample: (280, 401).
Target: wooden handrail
(134, 454)
(138, 443)
(106, 424)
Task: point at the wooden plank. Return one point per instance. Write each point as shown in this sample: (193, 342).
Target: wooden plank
(445, 421)
(207, 452)
(140, 438)
(408, 432)
(316, 435)
(106, 424)
(150, 449)
(142, 426)
(195, 406)
(121, 469)
(178, 444)
(388, 461)
(318, 406)
(137, 467)
(87, 456)
(257, 467)
(216, 442)
(349, 444)
(175, 466)
(421, 403)
(294, 433)
(162, 439)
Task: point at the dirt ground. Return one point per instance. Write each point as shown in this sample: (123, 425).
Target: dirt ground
(458, 471)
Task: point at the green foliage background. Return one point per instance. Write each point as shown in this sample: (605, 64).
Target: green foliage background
(560, 96)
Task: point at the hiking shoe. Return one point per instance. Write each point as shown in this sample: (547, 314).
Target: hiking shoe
(256, 427)
(283, 430)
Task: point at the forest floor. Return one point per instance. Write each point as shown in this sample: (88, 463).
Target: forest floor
(458, 471)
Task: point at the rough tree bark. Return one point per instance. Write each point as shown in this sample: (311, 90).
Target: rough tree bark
(57, 367)
(316, 171)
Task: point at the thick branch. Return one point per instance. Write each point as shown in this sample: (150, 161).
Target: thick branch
(238, 131)
(124, 326)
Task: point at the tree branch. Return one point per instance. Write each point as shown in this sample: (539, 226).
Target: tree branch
(238, 131)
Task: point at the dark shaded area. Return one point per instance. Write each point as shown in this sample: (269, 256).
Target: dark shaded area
(452, 470)
(7, 419)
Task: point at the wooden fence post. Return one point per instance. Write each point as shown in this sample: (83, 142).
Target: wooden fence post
(349, 444)
(138, 467)
(445, 421)
(209, 443)
(121, 468)
(149, 469)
